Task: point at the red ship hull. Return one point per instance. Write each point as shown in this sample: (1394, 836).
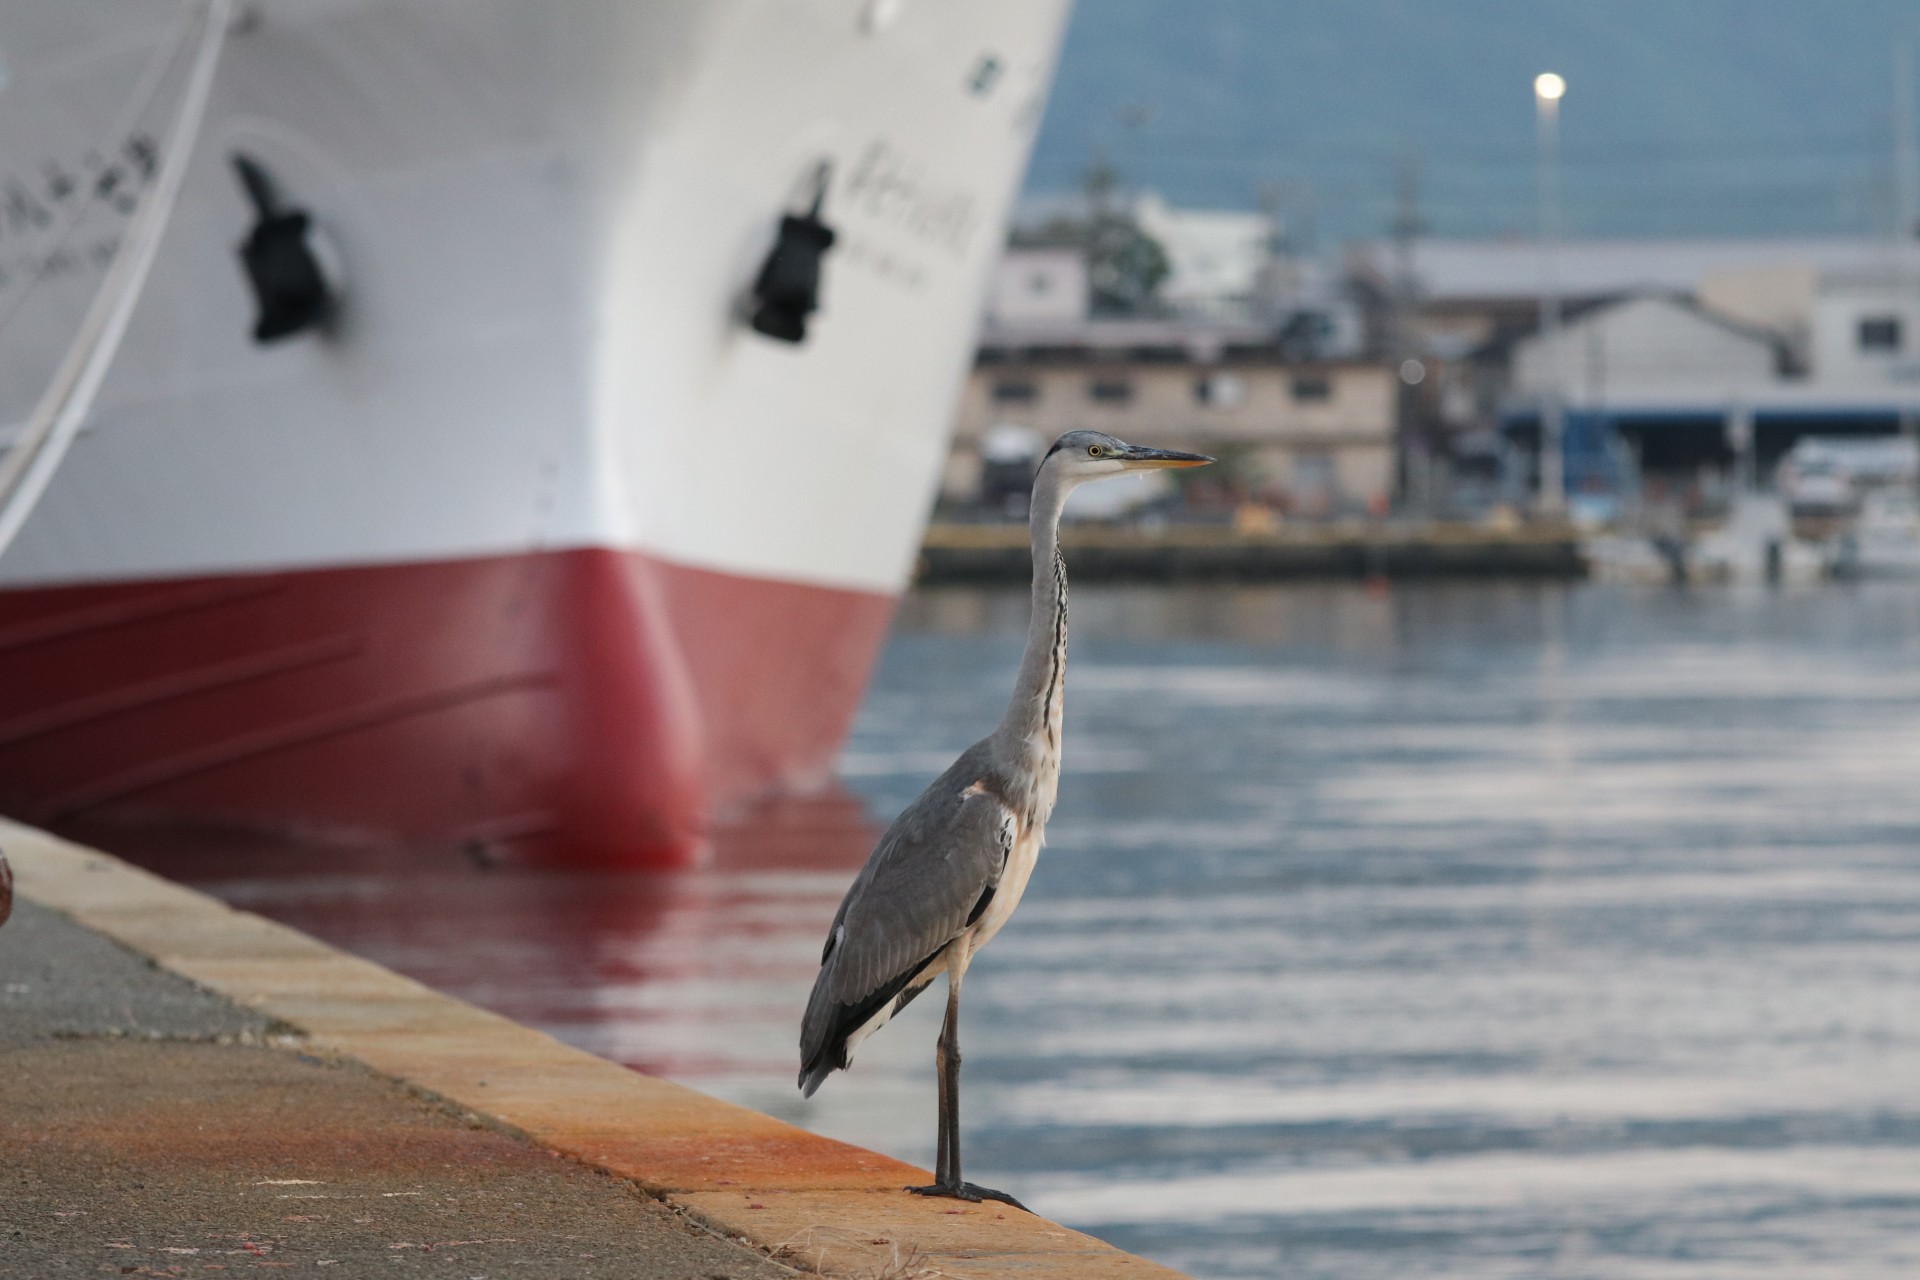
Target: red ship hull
(587, 708)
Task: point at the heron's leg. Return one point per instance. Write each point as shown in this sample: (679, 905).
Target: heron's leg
(947, 1172)
(946, 1063)
(947, 1179)
(945, 1152)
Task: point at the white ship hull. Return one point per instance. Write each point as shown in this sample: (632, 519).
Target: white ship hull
(539, 380)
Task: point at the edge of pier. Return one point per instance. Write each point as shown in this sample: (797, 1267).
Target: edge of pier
(805, 1200)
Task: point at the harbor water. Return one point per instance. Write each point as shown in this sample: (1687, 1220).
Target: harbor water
(1433, 931)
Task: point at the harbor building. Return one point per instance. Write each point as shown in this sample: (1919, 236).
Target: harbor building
(1311, 438)
(1673, 385)
(1243, 352)
(1466, 295)
(1701, 361)
(1218, 260)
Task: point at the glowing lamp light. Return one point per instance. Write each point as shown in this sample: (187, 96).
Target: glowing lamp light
(1548, 87)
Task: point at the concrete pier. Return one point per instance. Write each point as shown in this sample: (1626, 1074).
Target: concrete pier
(186, 1087)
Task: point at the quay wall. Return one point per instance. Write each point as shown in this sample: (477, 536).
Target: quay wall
(804, 1200)
(998, 553)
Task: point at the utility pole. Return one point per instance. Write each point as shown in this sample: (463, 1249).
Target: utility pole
(1548, 89)
(1412, 447)
(1906, 201)
(1906, 156)
(1100, 182)
(1407, 223)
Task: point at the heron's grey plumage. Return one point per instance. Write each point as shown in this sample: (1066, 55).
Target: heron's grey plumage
(926, 877)
(951, 868)
(901, 914)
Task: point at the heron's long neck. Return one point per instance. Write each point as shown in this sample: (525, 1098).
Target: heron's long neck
(1031, 729)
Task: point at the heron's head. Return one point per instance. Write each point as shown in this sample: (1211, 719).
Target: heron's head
(1092, 455)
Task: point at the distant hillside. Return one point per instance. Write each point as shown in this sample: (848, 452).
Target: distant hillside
(1682, 117)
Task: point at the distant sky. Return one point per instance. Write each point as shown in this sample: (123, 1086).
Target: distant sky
(1682, 117)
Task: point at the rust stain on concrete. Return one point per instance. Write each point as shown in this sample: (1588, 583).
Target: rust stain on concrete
(864, 1232)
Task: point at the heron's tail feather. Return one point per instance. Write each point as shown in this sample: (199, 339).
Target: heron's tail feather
(811, 1077)
(823, 1043)
(832, 1030)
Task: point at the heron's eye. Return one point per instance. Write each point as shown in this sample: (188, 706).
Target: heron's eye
(1093, 451)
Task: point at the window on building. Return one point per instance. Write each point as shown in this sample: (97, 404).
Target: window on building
(1220, 391)
(1110, 390)
(1313, 473)
(1880, 333)
(1312, 386)
(1015, 391)
(1315, 484)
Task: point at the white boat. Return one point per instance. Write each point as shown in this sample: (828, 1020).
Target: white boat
(1884, 540)
(1756, 544)
(526, 541)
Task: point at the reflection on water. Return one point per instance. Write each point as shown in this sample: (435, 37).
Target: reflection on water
(1472, 931)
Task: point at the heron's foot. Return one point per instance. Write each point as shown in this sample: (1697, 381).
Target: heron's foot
(972, 1193)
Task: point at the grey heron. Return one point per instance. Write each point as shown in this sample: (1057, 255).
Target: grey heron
(951, 868)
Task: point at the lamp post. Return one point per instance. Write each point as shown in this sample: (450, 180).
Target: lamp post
(1548, 89)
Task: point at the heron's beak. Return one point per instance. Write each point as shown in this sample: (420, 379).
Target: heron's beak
(1143, 458)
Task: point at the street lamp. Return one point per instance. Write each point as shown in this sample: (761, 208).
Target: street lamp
(1548, 89)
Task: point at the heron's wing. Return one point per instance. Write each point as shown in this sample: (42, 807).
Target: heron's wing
(927, 877)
